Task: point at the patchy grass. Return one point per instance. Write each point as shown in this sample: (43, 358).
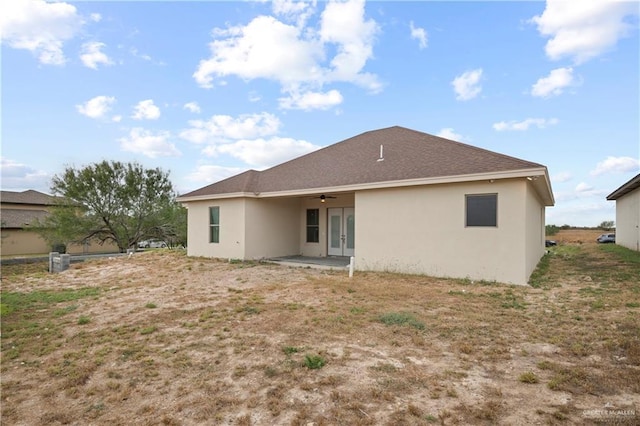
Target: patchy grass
(39, 300)
(401, 318)
(174, 340)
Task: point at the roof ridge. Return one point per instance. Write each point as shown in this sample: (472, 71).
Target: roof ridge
(252, 181)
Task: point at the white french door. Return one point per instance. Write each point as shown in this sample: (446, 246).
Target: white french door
(341, 233)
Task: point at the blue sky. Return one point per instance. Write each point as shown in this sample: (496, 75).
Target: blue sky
(206, 90)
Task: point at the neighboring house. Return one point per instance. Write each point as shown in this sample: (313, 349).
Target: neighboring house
(627, 199)
(18, 210)
(396, 199)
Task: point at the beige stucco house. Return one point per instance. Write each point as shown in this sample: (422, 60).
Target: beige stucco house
(18, 210)
(627, 199)
(395, 199)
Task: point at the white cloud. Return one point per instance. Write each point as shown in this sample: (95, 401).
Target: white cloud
(583, 29)
(561, 177)
(95, 17)
(419, 34)
(40, 27)
(92, 55)
(264, 48)
(208, 173)
(616, 165)
(344, 24)
(541, 123)
(146, 110)
(134, 52)
(251, 138)
(262, 153)
(223, 128)
(298, 11)
(152, 145)
(295, 56)
(97, 107)
(584, 190)
(467, 85)
(192, 107)
(554, 84)
(254, 97)
(311, 100)
(448, 133)
(583, 187)
(20, 177)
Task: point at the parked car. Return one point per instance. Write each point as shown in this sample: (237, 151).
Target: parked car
(606, 238)
(550, 243)
(152, 244)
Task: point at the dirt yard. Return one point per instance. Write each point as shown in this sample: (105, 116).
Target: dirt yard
(160, 338)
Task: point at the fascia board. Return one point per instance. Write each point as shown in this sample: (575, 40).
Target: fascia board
(217, 197)
(409, 182)
(511, 174)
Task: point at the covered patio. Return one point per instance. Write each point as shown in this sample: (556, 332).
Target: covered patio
(298, 261)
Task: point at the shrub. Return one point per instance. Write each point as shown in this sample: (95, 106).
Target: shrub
(314, 362)
(528, 377)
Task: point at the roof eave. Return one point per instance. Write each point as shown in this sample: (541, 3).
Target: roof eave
(542, 186)
(190, 199)
(628, 187)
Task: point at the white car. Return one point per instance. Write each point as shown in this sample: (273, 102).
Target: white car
(152, 244)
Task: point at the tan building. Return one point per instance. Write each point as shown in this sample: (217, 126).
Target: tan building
(395, 199)
(18, 210)
(627, 199)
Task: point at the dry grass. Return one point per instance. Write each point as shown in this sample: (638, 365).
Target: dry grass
(186, 341)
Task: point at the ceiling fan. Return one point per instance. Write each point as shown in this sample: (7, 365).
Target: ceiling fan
(323, 198)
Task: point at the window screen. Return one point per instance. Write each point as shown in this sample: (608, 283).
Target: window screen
(214, 224)
(482, 210)
(313, 226)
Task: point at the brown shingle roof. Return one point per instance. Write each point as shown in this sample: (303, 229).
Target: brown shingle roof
(26, 197)
(408, 154)
(19, 218)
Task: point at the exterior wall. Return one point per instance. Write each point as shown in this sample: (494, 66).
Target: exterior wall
(319, 249)
(232, 229)
(628, 220)
(535, 230)
(19, 242)
(272, 228)
(422, 230)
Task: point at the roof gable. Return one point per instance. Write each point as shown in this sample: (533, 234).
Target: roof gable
(407, 154)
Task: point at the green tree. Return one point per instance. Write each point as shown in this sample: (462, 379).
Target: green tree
(551, 229)
(606, 225)
(111, 201)
(174, 225)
